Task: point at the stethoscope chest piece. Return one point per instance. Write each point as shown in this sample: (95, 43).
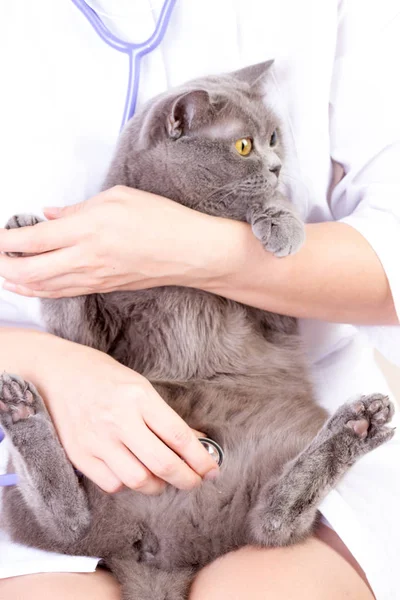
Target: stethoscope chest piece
(213, 449)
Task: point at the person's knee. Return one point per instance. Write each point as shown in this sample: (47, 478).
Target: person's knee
(306, 572)
(237, 575)
(69, 586)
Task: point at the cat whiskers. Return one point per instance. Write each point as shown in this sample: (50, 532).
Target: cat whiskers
(227, 190)
(254, 186)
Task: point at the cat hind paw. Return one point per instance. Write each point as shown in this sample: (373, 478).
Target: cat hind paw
(19, 400)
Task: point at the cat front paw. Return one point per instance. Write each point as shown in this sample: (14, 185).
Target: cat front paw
(361, 426)
(17, 221)
(279, 229)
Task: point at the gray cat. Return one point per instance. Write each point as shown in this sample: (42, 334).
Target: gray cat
(235, 372)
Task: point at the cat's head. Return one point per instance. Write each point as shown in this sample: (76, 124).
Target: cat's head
(212, 144)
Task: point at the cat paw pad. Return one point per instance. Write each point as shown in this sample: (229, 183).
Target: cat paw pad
(18, 399)
(366, 419)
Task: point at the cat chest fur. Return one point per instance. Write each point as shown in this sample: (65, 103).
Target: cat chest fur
(180, 334)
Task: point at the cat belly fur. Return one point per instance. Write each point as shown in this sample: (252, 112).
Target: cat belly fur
(189, 529)
(231, 371)
(193, 528)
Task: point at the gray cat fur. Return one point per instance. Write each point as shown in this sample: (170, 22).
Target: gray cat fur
(235, 372)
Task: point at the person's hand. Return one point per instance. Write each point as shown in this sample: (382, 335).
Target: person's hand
(122, 239)
(113, 425)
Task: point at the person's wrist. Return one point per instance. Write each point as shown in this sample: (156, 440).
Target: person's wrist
(25, 347)
(210, 252)
(227, 248)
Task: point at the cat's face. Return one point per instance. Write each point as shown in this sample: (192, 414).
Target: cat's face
(217, 142)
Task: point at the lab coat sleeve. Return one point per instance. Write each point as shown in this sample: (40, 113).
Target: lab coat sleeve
(365, 138)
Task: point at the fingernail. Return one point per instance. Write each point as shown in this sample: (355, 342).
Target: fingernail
(212, 475)
(53, 211)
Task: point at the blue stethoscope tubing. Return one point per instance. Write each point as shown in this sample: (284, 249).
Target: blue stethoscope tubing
(135, 53)
(9, 478)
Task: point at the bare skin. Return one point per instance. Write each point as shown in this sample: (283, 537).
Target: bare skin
(107, 449)
(319, 568)
(312, 571)
(82, 250)
(314, 556)
(244, 272)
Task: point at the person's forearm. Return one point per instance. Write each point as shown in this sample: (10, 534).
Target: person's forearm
(132, 240)
(27, 352)
(336, 276)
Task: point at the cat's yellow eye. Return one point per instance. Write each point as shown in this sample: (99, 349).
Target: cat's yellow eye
(244, 146)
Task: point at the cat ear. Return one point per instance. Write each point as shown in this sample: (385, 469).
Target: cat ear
(254, 75)
(172, 116)
(188, 112)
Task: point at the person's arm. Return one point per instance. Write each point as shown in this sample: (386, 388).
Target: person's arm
(336, 276)
(113, 425)
(346, 272)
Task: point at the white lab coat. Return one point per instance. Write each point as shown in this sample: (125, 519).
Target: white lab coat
(335, 84)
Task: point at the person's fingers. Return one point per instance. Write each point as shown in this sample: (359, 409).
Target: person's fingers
(43, 237)
(80, 279)
(130, 470)
(63, 286)
(30, 270)
(159, 459)
(199, 433)
(66, 286)
(98, 472)
(18, 289)
(32, 293)
(57, 212)
(61, 283)
(59, 293)
(174, 432)
(69, 284)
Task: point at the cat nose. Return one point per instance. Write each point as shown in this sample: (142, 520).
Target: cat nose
(275, 169)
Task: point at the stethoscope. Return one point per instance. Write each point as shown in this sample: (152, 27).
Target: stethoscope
(8, 478)
(135, 53)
